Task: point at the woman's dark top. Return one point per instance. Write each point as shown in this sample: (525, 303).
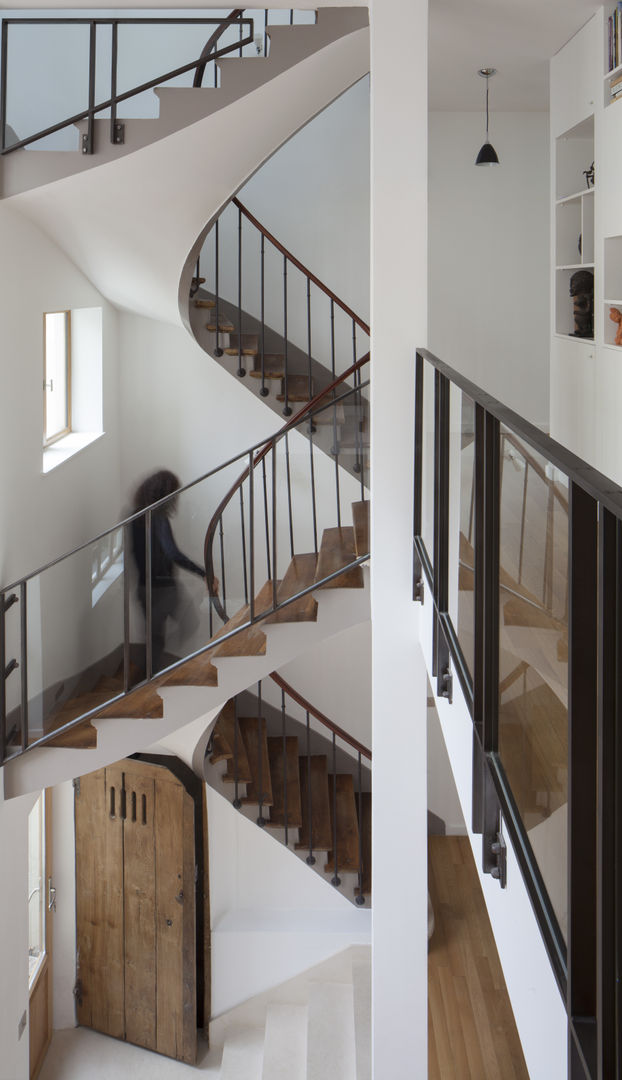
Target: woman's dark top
(164, 551)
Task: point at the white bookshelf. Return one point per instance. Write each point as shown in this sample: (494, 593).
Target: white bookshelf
(574, 217)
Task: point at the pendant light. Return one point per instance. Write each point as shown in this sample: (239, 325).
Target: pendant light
(487, 154)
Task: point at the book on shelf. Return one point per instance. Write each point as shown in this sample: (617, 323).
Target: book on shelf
(614, 37)
(616, 81)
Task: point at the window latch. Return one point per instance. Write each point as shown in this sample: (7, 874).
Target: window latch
(48, 385)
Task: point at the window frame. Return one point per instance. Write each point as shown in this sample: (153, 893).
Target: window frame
(51, 439)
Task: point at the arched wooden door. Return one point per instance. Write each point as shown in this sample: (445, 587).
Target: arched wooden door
(142, 904)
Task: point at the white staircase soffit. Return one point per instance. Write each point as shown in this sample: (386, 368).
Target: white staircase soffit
(130, 224)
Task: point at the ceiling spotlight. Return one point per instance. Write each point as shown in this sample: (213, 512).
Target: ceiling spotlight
(487, 154)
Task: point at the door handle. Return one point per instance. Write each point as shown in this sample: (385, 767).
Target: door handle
(51, 896)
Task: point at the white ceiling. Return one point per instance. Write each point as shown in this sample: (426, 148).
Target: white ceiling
(517, 37)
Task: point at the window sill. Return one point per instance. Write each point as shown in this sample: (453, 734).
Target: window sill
(68, 446)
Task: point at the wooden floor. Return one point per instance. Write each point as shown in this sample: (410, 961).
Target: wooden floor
(472, 1034)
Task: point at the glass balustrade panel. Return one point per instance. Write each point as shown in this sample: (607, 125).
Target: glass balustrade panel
(462, 521)
(427, 475)
(75, 617)
(533, 654)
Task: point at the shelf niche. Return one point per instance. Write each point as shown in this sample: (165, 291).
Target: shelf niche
(575, 154)
(613, 285)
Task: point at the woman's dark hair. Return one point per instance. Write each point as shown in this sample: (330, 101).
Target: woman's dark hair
(157, 486)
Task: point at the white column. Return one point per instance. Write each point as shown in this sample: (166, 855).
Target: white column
(399, 44)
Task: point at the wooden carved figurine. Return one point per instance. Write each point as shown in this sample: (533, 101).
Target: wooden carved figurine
(582, 291)
(616, 316)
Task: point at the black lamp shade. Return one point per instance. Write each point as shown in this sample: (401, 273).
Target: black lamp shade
(487, 155)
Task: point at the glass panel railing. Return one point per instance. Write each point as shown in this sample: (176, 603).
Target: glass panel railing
(462, 521)
(533, 654)
(427, 478)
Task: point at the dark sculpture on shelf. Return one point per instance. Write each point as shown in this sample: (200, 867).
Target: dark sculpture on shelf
(616, 316)
(589, 176)
(582, 291)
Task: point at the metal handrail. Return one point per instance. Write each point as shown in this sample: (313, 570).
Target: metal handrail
(320, 717)
(300, 266)
(114, 99)
(593, 482)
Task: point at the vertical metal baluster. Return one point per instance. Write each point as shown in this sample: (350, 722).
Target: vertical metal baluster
(335, 880)
(5, 49)
(114, 132)
(241, 37)
(265, 511)
(332, 342)
(291, 16)
(223, 582)
(265, 32)
(87, 138)
(309, 375)
(127, 547)
(310, 857)
(360, 899)
(335, 446)
(237, 802)
(262, 278)
(285, 811)
(251, 504)
(148, 598)
(260, 792)
(241, 370)
(23, 603)
(217, 351)
(548, 555)
(522, 525)
(312, 470)
(3, 631)
(244, 568)
(274, 540)
(287, 411)
(289, 498)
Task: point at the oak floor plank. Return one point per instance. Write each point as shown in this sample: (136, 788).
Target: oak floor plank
(472, 1029)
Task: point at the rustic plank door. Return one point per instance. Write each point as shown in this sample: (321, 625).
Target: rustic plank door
(135, 907)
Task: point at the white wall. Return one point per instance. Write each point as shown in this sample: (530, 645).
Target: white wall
(489, 255)
(399, 36)
(14, 940)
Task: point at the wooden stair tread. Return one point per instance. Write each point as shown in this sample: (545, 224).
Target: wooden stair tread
(318, 828)
(253, 731)
(297, 389)
(205, 303)
(360, 517)
(196, 672)
(336, 415)
(299, 575)
(364, 812)
(225, 327)
(226, 746)
(518, 612)
(273, 366)
(281, 769)
(249, 345)
(142, 703)
(81, 737)
(347, 827)
(337, 550)
(249, 642)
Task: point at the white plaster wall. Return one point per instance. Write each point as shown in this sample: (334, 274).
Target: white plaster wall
(14, 940)
(489, 255)
(442, 794)
(399, 323)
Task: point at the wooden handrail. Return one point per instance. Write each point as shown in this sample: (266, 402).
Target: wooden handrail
(306, 705)
(300, 266)
(260, 455)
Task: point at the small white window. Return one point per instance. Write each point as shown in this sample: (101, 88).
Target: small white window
(56, 376)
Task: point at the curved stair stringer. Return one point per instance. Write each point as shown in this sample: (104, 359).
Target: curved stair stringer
(189, 707)
(130, 224)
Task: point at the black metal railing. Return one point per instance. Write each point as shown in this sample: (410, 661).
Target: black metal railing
(275, 312)
(71, 635)
(249, 35)
(284, 727)
(539, 667)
